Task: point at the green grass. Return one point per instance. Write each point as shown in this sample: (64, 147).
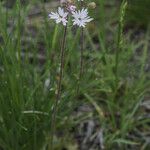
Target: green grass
(114, 84)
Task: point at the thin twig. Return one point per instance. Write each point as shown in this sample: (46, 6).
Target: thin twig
(58, 96)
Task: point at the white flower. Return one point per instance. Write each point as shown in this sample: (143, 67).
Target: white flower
(60, 16)
(81, 18)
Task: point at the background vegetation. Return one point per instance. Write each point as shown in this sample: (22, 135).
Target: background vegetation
(111, 111)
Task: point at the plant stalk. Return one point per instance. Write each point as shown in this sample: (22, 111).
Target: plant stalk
(81, 57)
(82, 48)
(58, 96)
(81, 54)
(120, 38)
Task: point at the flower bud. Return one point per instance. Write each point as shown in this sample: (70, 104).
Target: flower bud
(92, 5)
(71, 8)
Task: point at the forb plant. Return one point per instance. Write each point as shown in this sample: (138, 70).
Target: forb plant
(79, 17)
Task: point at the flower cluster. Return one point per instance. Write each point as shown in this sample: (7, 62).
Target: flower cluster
(80, 17)
(60, 16)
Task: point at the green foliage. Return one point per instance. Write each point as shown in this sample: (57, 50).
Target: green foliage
(138, 11)
(114, 82)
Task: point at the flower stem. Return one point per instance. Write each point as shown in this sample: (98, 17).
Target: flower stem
(58, 96)
(81, 60)
(81, 54)
(82, 47)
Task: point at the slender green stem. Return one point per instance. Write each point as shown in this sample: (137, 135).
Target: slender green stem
(58, 96)
(120, 38)
(19, 32)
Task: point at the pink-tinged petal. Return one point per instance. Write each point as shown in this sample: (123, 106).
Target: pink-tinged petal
(65, 15)
(89, 20)
(60, 11)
